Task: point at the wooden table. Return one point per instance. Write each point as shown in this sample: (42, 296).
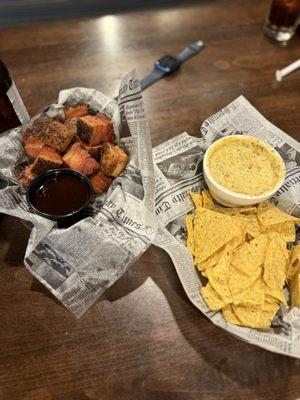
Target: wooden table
(143, 339)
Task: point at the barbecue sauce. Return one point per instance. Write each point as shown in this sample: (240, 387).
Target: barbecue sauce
(61, 195)
(12, 110)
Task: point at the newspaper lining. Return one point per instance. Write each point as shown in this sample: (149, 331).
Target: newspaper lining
(178, 168)
(79, 263)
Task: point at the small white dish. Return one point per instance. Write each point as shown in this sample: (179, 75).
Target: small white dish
(230, 198)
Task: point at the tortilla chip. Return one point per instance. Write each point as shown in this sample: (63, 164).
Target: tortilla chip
(249, 257)
(254, 228)
(196, 198)
(238, 281)
(294, 263)
(241, 222)
(218, 275)
(274, 271)
(274, 295)
(208, 201)
(295, 290)
(190, 233)
(229, 315)
(286, 230)
(254, 296)
(212, 260)
(211, 297)
(237, 241)
(242, 211)
(211, 232)
(255, 317)
(268, 215)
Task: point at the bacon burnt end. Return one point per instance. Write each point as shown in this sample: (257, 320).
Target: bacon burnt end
(94, 130)
(49, 131)
(47, 159)
(100, 182)
(58, 136)
(27, 175)
(78, 111)
(79, 159)
(94, 151)
(71, 124)
(33, 147)
(114, 160)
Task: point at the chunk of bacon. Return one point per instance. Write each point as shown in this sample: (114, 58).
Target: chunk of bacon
(114, 160)
(94, 151)
(71, 124)
(76, 111)
(100, 182)
(47, 159)
(95, 129)
(27, 175)
(33, 147)
(58, 136)
(79, 159)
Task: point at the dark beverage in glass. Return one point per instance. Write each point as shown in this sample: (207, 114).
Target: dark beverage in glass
(12, 110)
(283, 19)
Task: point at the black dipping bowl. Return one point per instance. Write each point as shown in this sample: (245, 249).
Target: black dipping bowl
(71, 191)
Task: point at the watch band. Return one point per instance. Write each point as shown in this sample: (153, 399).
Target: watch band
(157, 74)
(154, 76)
(190, 51)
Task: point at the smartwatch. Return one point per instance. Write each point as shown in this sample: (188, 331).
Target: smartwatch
(168, 64)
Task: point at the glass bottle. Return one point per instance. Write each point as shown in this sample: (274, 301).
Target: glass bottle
(12, 110)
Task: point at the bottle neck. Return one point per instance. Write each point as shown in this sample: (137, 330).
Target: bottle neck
(5, 79)
(12, 110)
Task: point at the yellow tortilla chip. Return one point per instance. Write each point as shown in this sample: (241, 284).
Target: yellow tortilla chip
(211, 297)
(237, 241)
(218, 275)
(254, 296)
(242, 211)
(211, 232)
(241, 222)
(190, 233)
(208, 201)
(274, 270)
(295, 290)
(274, 295)
(249, 257)
(212, 260)
(238, 281)
(196, 198)
(268, 215)
(254, 228)
(286, 230)
(294, 263)
(270, 307)
(255, 317)
(229, 315)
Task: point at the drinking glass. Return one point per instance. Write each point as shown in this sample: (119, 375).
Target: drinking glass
(283, 18)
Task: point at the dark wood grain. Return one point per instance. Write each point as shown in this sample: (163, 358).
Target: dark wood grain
(143, 339)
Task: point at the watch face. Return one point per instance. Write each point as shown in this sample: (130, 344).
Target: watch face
(168, 64)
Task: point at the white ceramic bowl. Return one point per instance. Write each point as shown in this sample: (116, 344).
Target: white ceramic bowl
(227, 197)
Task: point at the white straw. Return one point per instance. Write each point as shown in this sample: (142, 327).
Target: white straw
(287, 70)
